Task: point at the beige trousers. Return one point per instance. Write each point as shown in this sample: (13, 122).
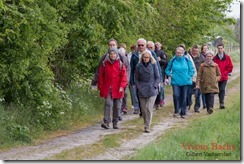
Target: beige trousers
(147, 109)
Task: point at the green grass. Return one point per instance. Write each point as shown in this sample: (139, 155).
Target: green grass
(235, 56)
(222, 128)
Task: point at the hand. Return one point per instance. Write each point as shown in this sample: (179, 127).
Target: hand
(121, 89)
(196, 87)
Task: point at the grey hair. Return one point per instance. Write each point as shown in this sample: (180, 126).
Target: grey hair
(153, 61)
(181, 49)
(209, 52)
(150, 42)
(159, 44)
(142, 39)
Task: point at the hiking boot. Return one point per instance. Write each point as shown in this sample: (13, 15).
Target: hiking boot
(115, 125)
(222, 106)
(161, 103)
(147, 130)
(175, 114)
(183, 116)
(157, 107)
(124, 110)
(136, 111)
(105, 125)
(210, 111)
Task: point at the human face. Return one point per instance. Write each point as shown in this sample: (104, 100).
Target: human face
(112, 44)
(157, 46)
(179, 53)
(204, 49)
(209, 57)
(151, 47)
(220, 49)
(112, 55)
(146, 57)
(141, 45)
(195, 52)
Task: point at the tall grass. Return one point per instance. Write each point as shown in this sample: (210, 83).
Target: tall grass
(18, 126)
(199, 138)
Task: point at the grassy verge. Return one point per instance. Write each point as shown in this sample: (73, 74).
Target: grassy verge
(17, 128)
(209, 137)
(134, 128)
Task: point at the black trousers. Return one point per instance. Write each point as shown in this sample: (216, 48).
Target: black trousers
(209, 97)
(222, 87)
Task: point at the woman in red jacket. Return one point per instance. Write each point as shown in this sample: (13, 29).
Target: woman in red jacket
(226, 67)
(111, 83)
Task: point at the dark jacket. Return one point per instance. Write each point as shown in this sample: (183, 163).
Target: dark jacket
(147, 79)
(134, 61)
(198, 60)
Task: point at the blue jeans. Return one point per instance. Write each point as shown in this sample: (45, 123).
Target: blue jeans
(197, 99)
(179, 98)
(160, 95)
(203, 100)
(189, 93)
(133, 92)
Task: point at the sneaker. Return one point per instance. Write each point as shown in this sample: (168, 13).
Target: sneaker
(197, 111)
(105, 125)
(115, 126)
(120, 118)
(161, 103)
(124, 111)
(136, 111)
(204, 107)
(210, 111)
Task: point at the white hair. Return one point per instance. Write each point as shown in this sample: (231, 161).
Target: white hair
(181, 49)
(122, 51)
(142, 39)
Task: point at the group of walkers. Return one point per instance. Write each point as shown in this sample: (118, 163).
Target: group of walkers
(146, 69)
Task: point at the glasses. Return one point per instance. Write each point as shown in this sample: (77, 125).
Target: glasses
(140, 45)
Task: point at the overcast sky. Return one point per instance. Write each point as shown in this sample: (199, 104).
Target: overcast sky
(235, 7)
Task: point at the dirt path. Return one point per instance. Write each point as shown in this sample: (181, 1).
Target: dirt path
(94, 134)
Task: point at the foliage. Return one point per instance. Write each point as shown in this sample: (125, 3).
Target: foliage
(49, 48)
